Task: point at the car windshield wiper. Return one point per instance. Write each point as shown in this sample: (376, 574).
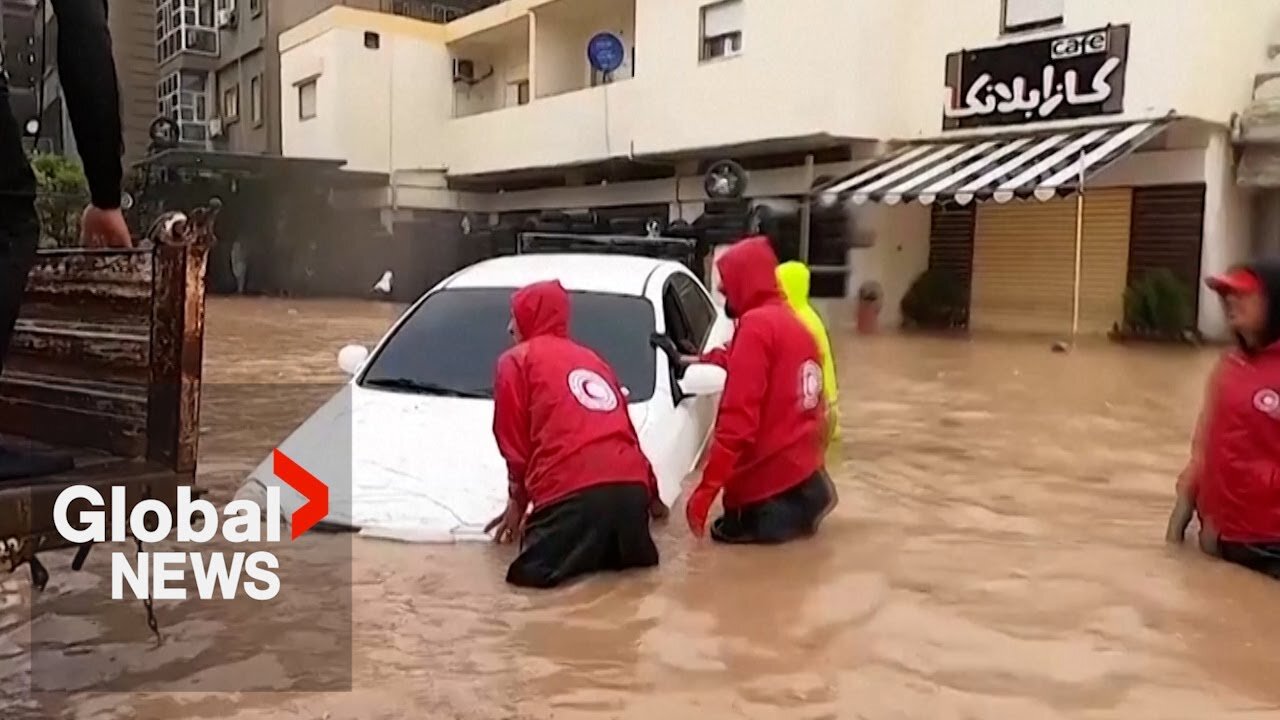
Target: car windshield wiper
(426, 388)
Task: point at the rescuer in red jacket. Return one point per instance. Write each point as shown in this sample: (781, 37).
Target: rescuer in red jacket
(767, 447)
(581, 491)
(1233, 479)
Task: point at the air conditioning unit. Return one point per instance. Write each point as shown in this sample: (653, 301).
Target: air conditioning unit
(215, 127)
(226, 18)
(463, 70)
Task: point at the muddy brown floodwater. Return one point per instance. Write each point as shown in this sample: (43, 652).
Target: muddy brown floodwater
(997, 553)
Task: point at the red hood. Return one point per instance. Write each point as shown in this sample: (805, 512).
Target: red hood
(541, 309)
(748, 274)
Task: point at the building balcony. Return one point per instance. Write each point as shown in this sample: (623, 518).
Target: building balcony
(562, 33)
(491, 68)
(567, 129)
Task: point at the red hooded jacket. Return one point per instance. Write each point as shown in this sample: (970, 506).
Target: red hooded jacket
(769, 432)
(559, 415)
(1238, 487)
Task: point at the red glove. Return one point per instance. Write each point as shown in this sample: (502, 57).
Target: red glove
(699, 506)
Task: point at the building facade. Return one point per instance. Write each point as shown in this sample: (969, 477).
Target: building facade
(501, 112)
(132, 28)
(241, 82)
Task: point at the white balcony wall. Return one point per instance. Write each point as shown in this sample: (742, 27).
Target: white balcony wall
(1193, 57)
(379, 109)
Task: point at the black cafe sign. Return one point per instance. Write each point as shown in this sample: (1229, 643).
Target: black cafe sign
(1069, 76)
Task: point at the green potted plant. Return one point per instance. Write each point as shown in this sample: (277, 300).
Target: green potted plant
(1158, 306)
(936, 300)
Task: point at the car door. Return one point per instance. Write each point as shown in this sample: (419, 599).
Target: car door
(704, 324)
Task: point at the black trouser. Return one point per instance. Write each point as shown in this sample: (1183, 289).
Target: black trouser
(1259, 557)
(603, 527)
(791, 515)
(19, 227)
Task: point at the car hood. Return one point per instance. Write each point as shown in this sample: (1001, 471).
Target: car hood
(402, 465)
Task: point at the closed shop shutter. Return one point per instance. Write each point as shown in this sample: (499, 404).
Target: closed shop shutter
(1104, 257)
(1023, 266)
(951, 240)
(1168, 228)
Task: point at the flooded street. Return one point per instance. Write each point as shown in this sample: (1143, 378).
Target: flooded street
(997, 553)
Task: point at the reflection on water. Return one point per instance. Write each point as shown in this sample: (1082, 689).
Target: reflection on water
(997, 554)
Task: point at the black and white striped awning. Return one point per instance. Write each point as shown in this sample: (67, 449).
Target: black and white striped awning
(1041, 166)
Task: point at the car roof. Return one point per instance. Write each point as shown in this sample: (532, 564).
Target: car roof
(582, 272)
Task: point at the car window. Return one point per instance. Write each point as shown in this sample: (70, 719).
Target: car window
(453, 340)
(698, 310)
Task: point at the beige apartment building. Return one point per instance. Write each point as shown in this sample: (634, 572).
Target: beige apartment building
(501, 113)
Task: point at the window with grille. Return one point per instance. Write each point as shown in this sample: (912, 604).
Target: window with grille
(183, 97)
(185, 26)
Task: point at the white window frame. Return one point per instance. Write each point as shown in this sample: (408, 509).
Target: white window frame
(1031, 15)
(185, 104)
(186, 26)
(312, 83)
(718, 43)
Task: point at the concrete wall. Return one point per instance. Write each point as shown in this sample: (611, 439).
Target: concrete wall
(242, 133)
(1227, 233)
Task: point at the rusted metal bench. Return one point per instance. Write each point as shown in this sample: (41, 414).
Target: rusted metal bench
(106, 363)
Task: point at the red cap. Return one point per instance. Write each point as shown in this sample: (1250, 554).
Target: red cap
(1235, 282)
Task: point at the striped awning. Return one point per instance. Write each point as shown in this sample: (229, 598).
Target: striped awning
(1041, 166)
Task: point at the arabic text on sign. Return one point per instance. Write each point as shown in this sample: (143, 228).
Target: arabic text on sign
(985, 97)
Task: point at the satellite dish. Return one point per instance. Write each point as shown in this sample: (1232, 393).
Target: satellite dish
(725, 180)
(605, 52)
(126, 201)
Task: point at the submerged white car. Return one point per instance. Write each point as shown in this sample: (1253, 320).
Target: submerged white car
(406, 448)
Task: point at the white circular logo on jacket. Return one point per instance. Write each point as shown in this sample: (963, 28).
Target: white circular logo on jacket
(1267, 401)
(591, 391)
(810, 384)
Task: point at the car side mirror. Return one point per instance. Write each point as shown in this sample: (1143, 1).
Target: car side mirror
(351, 357)
(702, 379)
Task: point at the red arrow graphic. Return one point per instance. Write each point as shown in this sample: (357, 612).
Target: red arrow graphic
(315, 492)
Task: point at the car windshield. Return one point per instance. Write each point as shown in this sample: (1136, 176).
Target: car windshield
(450, 344)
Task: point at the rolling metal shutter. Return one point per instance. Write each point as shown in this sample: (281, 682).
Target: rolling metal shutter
(1023, 263)
(1168, 229)
(1104, 257)
(951, 241)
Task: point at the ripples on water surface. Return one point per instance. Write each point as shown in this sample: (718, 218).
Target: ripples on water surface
(997, 554)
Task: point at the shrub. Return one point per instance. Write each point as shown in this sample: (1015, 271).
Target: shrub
(1158, 303)
(61, 195)
(936, 299)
